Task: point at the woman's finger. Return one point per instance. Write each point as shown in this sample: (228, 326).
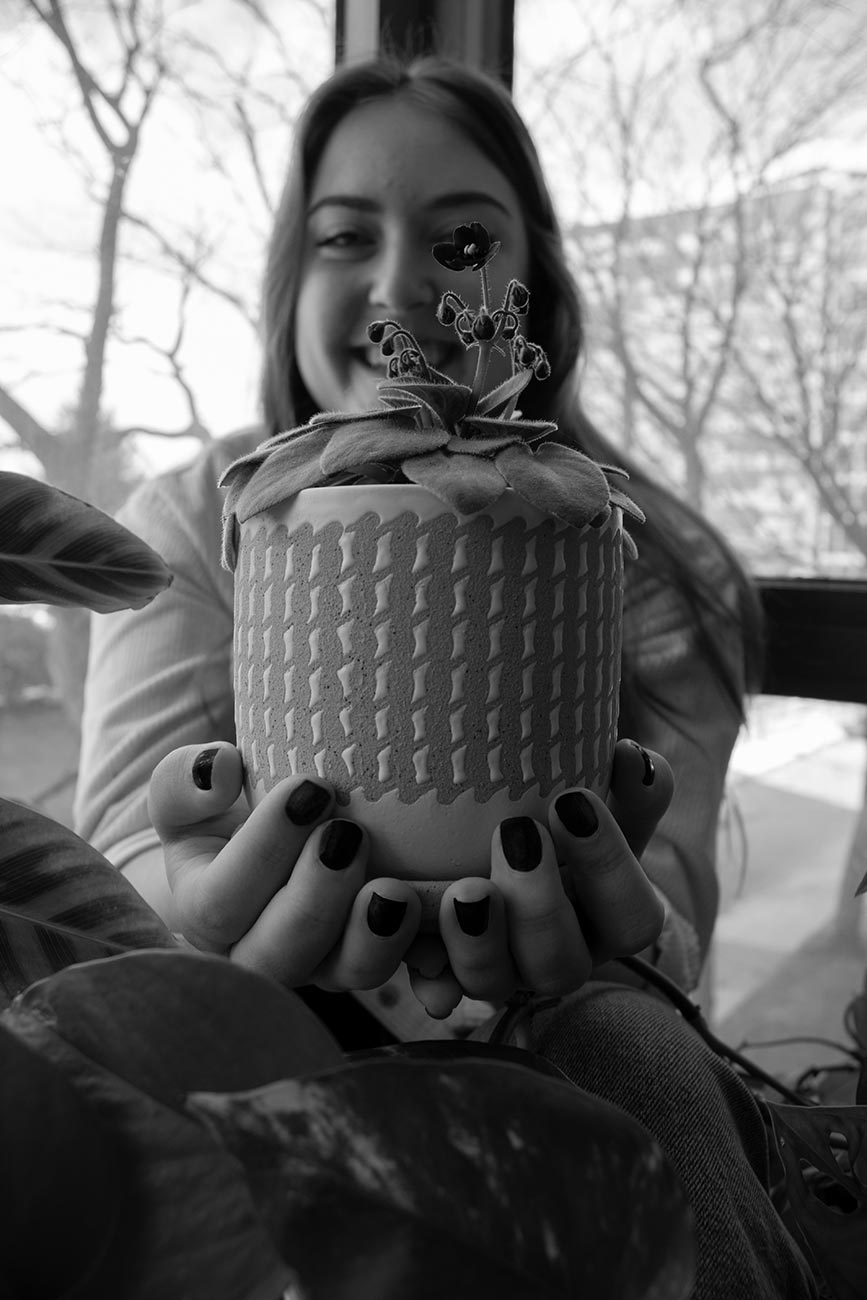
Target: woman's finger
(545, 936)
(304, 920)
(619, 910)
(382, 923)
(475, 932)
(642, 784)
(196, 785)
(221, 885)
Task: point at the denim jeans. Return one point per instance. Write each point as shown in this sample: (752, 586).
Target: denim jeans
(632, 1049)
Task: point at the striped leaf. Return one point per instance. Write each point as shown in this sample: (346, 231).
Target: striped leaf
(60, 550)
(61, 902)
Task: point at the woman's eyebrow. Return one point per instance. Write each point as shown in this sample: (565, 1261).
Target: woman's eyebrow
(459, 198)
(440, 202)
(344, 201)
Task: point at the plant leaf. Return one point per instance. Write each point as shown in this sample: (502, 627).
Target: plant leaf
(78, 1202)
(824, 1153)
(172, 1022)
(187, 1225)
(476, 1177)
(61, 902)
(58, 549)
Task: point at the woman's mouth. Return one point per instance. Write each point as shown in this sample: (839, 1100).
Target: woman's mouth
(448, 358)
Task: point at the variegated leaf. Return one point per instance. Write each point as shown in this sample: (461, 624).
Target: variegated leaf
(60, 550)
(386, 1178)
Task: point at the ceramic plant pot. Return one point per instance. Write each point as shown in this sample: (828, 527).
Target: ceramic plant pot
(442, 671)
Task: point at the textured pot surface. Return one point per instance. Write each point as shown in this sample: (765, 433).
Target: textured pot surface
(442, 671)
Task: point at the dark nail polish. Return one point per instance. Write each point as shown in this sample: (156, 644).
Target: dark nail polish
(203, 767)
(522, 843)
(577, 813)
(339, 844)
(306, 802)
(385, 915)
(473, 917)
(649, 769)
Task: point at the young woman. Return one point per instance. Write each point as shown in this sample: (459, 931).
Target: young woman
(388, 160)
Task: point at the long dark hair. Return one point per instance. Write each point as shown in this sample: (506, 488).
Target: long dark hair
(482, 110)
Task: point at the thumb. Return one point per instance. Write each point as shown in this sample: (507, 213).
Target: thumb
(197, 787)
(642, 784)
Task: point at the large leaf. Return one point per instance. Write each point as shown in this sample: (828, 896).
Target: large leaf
(824, 1153)
(62, 1180)
(170, 1023)
(58, 549)
(61, 902)
(389, 1177)
(133, 1035)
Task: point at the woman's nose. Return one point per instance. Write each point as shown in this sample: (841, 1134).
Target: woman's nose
(400, 281)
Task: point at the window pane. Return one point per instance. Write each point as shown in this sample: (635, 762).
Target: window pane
(709, 177)
(135, 236)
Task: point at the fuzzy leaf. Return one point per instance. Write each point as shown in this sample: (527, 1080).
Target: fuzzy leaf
(60, 550)
(61, 902)
(519, 430)
(466, 486)
(494, 402)
(824, 1153)
(448, 402)
(389, 437)
(558, 481)
(481, 1177)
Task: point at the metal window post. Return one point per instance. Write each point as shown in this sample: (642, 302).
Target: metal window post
(477, 32)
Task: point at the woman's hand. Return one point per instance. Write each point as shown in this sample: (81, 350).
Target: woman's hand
(561, 899)
(280, 889)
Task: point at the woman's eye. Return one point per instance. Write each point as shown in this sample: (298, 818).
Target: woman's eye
(342, 242)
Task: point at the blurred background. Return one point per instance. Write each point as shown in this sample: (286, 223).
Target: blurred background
(710, 172)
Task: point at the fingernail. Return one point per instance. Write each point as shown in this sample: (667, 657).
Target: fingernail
(306, 802)
(203, 767)
(577, 813)
(339, 844)
(522, 843)
(649, 769)
(473, 917)
(385, 915)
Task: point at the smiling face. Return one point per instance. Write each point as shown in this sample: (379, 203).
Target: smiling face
(394, 180)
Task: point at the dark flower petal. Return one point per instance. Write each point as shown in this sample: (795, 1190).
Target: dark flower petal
(448, 256)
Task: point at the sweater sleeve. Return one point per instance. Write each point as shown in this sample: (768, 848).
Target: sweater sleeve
(158, 677)
(686, 715)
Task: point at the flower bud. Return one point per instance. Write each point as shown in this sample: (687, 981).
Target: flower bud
(376, 331)
(484, 328)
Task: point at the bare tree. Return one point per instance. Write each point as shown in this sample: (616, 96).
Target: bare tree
(677, 124)
(129, 76)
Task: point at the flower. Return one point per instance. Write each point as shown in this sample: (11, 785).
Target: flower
(470, 248)
(465, 446)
